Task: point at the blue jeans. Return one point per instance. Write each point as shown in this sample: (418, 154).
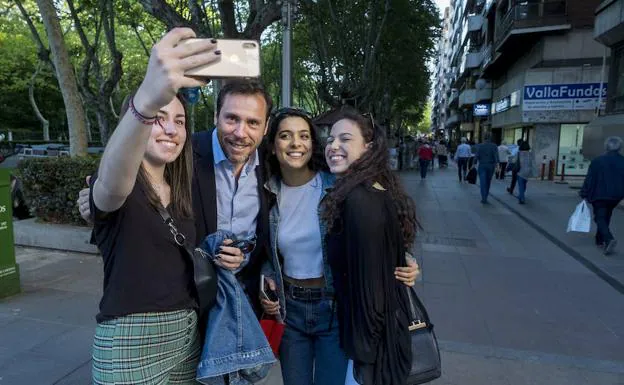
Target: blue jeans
(424, 166)
(522, 184)
(310, 352)
(486, 172)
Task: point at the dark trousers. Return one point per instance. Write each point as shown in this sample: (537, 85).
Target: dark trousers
(502, 170)
(486, 172)
(462, 168)
(602, 216)
(424, 167)
(514, 179)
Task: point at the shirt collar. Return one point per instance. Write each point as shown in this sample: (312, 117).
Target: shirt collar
(219, 154)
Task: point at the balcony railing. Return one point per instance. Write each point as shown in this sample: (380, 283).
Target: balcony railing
(531, 15)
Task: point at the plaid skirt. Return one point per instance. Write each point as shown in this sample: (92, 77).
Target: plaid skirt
(147, 349)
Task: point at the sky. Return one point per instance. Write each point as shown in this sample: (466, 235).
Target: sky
(442, 4)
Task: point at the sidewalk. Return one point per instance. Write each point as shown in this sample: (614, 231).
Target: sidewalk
(548, 208)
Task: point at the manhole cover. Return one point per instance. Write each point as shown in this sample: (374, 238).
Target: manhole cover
(447, 241)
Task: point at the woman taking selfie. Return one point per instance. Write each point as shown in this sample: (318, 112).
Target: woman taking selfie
(147, 324)
(371, 223)
(310, 350)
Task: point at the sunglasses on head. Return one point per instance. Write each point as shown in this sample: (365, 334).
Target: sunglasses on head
(291, 111)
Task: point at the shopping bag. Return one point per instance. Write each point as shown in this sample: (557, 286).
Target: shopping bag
(580, 221)
(273, 330)
(472, 176)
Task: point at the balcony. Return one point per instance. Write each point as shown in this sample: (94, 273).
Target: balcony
(452, 120)
(475, 23)
(474, 59)
(472, 96)
(530, 19)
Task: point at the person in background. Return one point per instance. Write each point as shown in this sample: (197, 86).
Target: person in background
(371, 224)
(604, 189)
(425, 156)
(503, 159)
(514, 167)
(298, 180)
(526, 163)
(442, 152)
(462, 157)
(20, 208)
(486, 155)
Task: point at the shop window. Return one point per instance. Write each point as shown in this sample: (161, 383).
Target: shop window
(615, 91)
(571, 150)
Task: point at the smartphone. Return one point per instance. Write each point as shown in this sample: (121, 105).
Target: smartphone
(244, 245)
(266, 291)
(239, 59)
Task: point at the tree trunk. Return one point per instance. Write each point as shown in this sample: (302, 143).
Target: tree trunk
(66, 78)
(31, 96)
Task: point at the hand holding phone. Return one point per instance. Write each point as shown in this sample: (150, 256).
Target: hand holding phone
(266, 291)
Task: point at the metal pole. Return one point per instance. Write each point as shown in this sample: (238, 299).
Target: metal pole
(287, 54)
(602, 74)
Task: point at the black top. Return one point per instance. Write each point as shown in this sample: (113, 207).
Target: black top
(365, 246)
(205, 210)
(605, 178)
(144, 269)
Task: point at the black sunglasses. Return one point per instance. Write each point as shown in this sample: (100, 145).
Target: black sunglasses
(291, 111)
(245, 245)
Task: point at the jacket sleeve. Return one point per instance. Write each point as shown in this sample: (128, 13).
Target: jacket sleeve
(366, 266)
(589, 180)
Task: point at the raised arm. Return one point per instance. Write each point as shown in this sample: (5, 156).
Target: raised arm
(126, 147)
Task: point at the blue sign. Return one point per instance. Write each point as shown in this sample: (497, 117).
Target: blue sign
(481, 109)
(582, 96)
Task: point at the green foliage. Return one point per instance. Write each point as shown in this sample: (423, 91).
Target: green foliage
(51, 186)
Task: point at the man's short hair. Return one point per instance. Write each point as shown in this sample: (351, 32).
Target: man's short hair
(463, 140)
(244, 87)
(487, 137)
(613, 143)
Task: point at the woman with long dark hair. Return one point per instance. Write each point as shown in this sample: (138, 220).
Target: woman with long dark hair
(147, 325)
(372, 223)
(299, 271)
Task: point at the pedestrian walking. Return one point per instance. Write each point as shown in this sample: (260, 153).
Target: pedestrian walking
(462, 156)
(369, 201)
(604, 189)
(442, 152)
(526, 167)
(147, 324)
(514, 167)
(486, 155)
(298, 179)
(425, 157)
(503, 158)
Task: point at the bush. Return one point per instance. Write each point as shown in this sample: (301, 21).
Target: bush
(51, 186)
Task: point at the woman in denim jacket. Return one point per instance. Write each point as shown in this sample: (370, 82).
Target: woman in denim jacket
(298, 181)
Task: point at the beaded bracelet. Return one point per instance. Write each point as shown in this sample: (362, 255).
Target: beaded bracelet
(148, 121)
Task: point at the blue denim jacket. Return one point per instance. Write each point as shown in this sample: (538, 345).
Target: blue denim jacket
(272, 268)
(235, 345)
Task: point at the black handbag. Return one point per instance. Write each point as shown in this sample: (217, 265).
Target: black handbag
(426, 363)
(472, 176)
(204, 273)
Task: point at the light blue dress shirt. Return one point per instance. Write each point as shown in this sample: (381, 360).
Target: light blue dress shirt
(238, 202)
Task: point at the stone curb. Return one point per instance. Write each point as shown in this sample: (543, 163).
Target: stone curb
(30, 233)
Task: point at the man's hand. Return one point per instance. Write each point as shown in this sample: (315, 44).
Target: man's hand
(83, 202)
(409, 274)
(229, 257)
(270, 307)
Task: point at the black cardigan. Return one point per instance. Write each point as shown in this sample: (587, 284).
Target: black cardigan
(365, 246)
(205, 209)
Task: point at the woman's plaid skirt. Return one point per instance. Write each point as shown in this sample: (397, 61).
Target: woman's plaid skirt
(147, 349)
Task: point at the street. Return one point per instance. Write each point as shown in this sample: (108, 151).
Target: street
(515, 300)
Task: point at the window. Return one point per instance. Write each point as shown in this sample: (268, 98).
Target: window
(615, 90)
(571, 150)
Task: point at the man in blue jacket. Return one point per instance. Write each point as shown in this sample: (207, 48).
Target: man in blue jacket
(487, 157)
(604, 189)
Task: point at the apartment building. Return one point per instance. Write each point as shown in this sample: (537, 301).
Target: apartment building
(441, 79)
(529, 69)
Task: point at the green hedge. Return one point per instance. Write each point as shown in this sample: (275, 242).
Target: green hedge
(51, 186)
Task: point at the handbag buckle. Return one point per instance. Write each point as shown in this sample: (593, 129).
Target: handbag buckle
(415, 325)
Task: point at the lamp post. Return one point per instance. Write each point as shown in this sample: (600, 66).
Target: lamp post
(287, 53)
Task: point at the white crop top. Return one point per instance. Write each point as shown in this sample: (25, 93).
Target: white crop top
(298, 233)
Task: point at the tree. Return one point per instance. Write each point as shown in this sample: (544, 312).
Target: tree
(66, 78)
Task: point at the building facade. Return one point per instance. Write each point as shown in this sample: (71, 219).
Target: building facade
(544, 72)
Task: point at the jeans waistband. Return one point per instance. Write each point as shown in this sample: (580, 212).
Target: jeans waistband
(307, 293)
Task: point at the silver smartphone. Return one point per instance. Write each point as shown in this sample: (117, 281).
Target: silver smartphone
(238, 59)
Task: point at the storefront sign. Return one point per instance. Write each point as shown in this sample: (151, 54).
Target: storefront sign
(502, 105)
(584, 96)
(482, 109)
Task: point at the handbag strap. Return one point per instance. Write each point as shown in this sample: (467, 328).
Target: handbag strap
(178, 237)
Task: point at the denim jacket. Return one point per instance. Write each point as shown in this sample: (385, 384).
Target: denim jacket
(272, 268)
(235, 345)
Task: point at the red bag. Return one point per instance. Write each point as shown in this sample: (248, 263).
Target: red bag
(273, 330)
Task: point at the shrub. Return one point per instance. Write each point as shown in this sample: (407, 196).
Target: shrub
(51, 186)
